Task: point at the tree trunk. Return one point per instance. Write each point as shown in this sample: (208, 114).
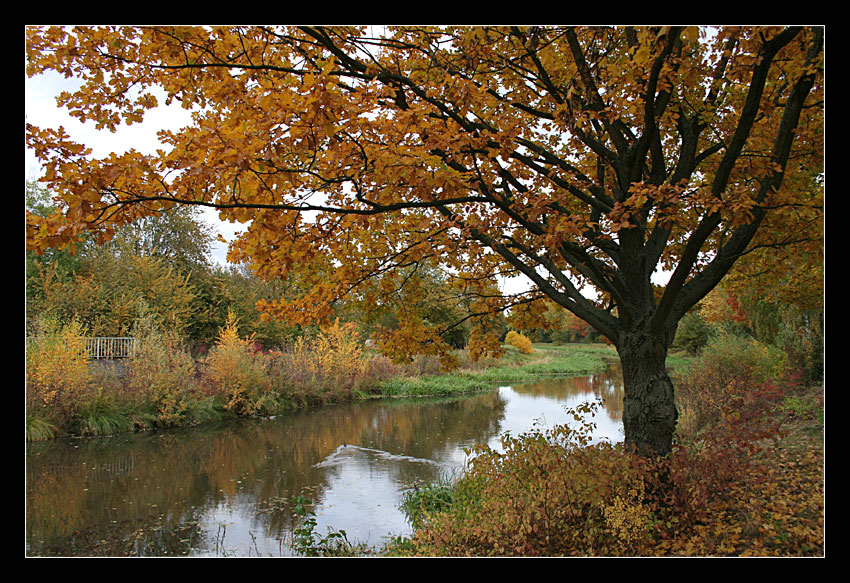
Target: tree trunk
(649, 410)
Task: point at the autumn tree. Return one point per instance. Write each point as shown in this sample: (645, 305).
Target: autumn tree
(583, 158)
(426, 294)
(179, 237)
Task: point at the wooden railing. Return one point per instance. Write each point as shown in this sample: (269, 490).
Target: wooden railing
(111, 347)
(102, 347)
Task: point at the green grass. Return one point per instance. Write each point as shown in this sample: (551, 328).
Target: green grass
(546, 360)
(422, 500)
(40, 429)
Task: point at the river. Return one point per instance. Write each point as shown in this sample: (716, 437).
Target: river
(227, 490)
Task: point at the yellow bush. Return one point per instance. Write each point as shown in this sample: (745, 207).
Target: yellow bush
(519, 341)
(57, 373)
(331, 360)
(237, 373)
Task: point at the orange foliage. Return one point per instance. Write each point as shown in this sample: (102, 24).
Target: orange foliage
(238, 373)
(457, 164)
(576, 156)
(519, 341)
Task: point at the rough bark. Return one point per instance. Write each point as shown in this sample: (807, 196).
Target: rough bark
(649, 408)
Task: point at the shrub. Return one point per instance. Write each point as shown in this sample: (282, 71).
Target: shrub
(237, 372)
(518, 341)
(552, 493)
(546, 493)
(329, 366)
(422, 501)
(161, 377)
(692, 334)
(728, 377)
(57, 373)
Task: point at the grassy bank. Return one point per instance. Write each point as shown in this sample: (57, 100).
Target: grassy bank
(163, 386)
(514, 366)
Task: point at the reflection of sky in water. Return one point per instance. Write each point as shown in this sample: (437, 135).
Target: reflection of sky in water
(244, 480)
(526, 411)
(364, 491)
(363, 496)
(232, 531)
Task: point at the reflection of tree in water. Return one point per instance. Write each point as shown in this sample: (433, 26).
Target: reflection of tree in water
(145, 537)
(607, 386)
(110, 496)
(146, 493)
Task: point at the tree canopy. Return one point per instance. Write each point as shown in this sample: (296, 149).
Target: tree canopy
(580, 157)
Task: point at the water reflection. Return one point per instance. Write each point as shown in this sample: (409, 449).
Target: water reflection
(538, 396)
(228, 490)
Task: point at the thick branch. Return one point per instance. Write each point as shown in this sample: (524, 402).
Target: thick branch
(679, 296)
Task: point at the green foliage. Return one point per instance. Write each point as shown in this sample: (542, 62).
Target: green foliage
(546, 361)
(157, 265)
(435, 385)
(423, 500)
(804, 407)
(239, 291)
(692, 334)
(795, 328)
(794, 325)
(102, 414)
(308, 543)
(39, 429)
(178, 237)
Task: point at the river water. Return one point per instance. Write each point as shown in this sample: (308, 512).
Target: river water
(227, 490)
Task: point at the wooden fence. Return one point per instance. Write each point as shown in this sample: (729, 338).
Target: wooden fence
(111, 347)
(105, 347)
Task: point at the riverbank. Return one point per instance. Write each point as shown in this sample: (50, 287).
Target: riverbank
(746, 478)
(759, 496)
(545, 360)
(164, 387)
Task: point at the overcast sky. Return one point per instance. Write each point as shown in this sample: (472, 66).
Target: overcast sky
(40, 109)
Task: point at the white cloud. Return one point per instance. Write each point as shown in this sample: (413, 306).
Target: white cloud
(40, 109)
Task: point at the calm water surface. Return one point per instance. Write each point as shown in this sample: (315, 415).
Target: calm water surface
(228, 490)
